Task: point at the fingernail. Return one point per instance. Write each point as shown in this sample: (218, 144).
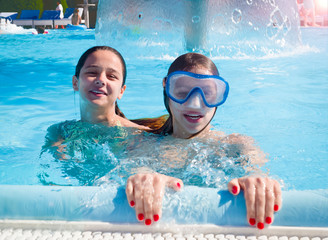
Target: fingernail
(234, 189)
(140, 217)
(156, 217)
(252, 221)
(268, 220)
(148, 222)
(132, 203)
(179, 185)
(260, 225)
(276, 208)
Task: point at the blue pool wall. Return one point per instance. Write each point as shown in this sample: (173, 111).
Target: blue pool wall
(193, 205)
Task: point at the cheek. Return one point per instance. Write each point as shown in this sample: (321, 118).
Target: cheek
(83, 82)
(175, 107)
(210, 112)
(115, 88)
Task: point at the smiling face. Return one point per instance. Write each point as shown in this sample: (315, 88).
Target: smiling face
(193, 115)
(100, 81)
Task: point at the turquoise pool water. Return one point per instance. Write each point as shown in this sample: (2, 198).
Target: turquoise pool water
(280, 100)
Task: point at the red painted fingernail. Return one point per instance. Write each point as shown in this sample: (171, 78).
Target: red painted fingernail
(234, 189)
(156, 217)
(260, 225)
(178, 184)
(276, 208)
(140, 217)
(132, 203)
(148, 222)
(268, 220)
(252, 221)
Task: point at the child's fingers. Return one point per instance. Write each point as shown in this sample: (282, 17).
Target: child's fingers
(249, 193)
(159, 189)
(129, 192)
(148, 192)
(269, 203)
(174, 183)
(234, 187)
(260, 201)
(145, 192)
(138, 196)
(277, 193)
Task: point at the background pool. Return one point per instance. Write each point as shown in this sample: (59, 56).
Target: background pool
(281, 101)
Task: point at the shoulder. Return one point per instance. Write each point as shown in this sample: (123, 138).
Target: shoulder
(60, 128)
(236, 138)
(127, 123)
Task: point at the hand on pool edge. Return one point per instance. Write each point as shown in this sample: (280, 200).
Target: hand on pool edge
(262, 197)
(145, 193)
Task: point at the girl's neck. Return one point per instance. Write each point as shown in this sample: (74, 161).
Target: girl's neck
(187, 135)
(100, 115)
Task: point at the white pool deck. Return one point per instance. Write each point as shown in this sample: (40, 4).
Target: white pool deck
(27, 229)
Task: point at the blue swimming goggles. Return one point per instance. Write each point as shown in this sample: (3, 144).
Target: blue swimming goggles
(180, 85)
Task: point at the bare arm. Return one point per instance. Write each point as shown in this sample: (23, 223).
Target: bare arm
(262, 194)
(246, 146)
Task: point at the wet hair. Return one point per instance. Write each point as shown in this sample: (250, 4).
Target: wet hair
(40, 29)
(87, 53)
(185, 62)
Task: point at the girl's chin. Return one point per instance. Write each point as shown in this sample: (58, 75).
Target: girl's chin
(97, 103)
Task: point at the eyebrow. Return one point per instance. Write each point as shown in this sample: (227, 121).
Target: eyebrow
(107, 69)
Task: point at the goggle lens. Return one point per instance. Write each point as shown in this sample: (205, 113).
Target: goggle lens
(181, 85)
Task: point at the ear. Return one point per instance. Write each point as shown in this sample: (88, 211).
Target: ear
(164, 82)
(75, 83)
(121, 92)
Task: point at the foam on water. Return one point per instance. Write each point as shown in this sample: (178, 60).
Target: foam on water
(6, 27)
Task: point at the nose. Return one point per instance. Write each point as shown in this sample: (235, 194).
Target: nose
(100, 80)
(195, 101)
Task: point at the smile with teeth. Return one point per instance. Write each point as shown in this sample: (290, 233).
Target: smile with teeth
(193, 116)
(97, 92)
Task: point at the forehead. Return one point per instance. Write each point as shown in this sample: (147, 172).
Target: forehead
(200, 70)
(105, 59)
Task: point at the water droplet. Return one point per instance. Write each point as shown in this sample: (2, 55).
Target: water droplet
(249, 2)
(236, 16)
(195, 19)
(271, 31)
(286, 26)
(272, 2)
(119, 17)
(276, 18)
(140, 15)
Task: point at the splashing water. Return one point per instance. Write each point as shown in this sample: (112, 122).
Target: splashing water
(98, 155)
(216, 28)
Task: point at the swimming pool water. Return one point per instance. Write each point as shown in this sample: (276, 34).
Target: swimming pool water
(278, 100)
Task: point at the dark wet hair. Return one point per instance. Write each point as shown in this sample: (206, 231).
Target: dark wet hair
(184, 62)
(87, 53)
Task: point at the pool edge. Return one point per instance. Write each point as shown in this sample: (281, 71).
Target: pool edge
(95, 226)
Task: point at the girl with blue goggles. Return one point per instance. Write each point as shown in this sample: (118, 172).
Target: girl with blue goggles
(192, 92)
(181, 85)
